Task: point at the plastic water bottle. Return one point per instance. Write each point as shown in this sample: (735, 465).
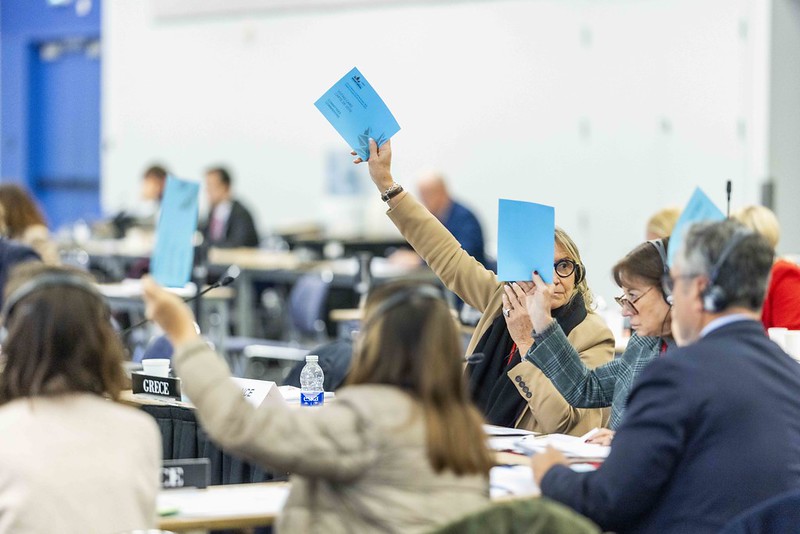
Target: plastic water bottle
(311, 379)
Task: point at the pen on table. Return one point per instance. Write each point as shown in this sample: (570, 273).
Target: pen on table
(590, 434)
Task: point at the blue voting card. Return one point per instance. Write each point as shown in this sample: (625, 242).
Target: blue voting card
(357, 112)
(700, 208)
(171, 263)
(525, 240)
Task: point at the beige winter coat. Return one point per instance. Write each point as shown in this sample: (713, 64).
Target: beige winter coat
(546, 411)
(358, 464)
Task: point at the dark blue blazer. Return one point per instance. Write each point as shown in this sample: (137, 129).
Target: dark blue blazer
(11, 255)
(711, 429)
(464, 226)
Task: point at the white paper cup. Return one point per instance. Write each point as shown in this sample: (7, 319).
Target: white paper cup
(156, 367)
(778, 335)
(793, 343)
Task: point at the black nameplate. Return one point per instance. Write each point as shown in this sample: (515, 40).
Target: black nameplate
(160, 386)
(186, 473)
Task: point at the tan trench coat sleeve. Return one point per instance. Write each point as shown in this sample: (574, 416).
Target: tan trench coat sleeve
(460, 272)
(547, 410)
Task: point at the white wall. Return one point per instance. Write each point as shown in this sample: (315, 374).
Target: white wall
(606, 109)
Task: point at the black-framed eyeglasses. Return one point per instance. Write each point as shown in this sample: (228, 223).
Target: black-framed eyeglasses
(564, 268)
(628, 304)
(668, 282)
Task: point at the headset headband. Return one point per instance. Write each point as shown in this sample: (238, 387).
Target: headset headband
(662, 252)
(44, 281)
(406, 294)
(738, 236)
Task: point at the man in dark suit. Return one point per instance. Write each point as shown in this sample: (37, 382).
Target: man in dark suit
(229, 223)
(713, 427)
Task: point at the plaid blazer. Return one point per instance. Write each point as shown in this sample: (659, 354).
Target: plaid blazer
(582, 387)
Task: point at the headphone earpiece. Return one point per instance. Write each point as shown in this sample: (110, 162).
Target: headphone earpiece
(714, 297)
(580, 273)
(662, 253)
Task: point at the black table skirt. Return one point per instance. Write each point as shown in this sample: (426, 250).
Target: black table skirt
(183, 437)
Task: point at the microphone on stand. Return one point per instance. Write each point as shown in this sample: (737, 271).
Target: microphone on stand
(228, 278)
(728, 189)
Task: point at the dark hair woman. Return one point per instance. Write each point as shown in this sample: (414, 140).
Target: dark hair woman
(70, 457)
(400, 450)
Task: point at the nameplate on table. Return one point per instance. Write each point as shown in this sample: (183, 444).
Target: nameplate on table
(159, 386)
(186, 473)
(255, 391)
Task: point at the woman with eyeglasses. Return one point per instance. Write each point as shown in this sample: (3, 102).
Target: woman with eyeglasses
(639, 274)
(508, 390)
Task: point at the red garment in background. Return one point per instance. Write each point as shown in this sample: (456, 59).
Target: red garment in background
(782, 304)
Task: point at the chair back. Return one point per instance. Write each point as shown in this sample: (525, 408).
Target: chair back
(307, 304)
(522, 516)
(778, 515)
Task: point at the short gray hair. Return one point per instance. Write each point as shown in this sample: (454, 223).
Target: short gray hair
(745, 272)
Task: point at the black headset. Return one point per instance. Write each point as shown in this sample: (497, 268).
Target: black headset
(44, 281)
(714, 297)
(402, 296)
(580, 273)
(662, 253)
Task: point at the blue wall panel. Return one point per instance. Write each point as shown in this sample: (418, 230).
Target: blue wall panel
(24, 24)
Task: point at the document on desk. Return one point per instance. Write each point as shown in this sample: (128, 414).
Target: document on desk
(357, 112)
(571, 446)
(699, 208)
(525, 240)
(171, 262)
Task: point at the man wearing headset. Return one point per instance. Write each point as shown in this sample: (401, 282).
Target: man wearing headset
(712, 429)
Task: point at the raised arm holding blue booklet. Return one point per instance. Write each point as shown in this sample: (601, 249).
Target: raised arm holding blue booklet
(357, 112)
(525, 240)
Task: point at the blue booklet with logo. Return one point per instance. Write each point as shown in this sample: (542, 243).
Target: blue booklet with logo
(357, 112)
(700, 208)
(525, 240)
(171, 263)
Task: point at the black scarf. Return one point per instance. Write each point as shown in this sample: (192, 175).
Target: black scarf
(491, 389)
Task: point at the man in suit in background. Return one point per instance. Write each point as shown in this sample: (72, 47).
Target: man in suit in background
(712, 428)
(229, 223)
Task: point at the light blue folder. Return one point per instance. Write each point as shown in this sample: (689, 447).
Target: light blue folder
(700, 208)
(357, 112)
(171, 263)
(525, 240)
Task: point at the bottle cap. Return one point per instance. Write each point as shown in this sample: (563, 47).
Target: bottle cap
(312, 358)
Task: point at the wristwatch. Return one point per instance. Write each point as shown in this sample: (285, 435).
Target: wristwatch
(394, 190)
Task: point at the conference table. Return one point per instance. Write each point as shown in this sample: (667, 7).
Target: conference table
(242, 506)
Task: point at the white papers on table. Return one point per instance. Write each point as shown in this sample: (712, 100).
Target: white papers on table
(216, 501)
(571, 446)
(512, 480)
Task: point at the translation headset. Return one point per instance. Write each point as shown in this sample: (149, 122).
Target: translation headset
(714, 297)
(44, 281)
(580, 273)
(402, 296)
(662, 253)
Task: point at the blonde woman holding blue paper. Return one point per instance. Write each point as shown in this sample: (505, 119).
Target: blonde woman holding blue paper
(508, 390)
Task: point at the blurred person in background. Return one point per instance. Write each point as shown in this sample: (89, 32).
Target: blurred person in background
(25, 223)
(782, 302)
(457, 218)
(661, 223)
(12, 253)
(229, 223)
